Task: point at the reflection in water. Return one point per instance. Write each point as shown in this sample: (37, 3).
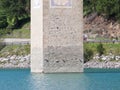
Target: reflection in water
(59, 82)
(87, 81)
(24, 80)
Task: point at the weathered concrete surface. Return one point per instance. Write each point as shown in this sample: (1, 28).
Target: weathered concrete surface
(63, 44)
(36, 36)
(62, 39)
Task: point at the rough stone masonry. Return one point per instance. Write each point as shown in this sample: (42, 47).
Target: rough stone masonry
(56, 36)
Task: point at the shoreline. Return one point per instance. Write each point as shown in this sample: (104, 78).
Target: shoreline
(23, 62)
(102, 65)
(15, 61)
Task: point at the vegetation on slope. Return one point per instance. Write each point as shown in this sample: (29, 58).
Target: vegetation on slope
(12, 11)
(108, 8)
(9, 50)
(91, 49)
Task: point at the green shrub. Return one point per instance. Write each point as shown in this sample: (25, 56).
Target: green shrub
(100, 49)
(88, 54)
(4, 32)
(3, 22)
(2, 46)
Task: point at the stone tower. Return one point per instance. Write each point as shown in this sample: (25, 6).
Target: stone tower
(56, 36)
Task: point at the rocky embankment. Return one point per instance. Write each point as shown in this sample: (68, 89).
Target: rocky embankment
(15, 61)
(105, 64)
(96, 26)
(109, 61)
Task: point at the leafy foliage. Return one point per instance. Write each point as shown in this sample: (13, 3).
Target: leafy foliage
(100, 49)
(4, 32)
(109, 8)
(88, 53)
(3, 21)
(14, 10)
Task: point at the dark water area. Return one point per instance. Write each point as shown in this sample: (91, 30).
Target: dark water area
(23, 79)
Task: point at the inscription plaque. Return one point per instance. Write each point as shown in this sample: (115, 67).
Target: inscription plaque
(61, 3)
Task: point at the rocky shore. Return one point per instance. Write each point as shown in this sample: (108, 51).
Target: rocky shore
(104, 61)
(102, 64)
(15, 61)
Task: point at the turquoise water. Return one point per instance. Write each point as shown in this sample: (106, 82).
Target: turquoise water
(24, 80)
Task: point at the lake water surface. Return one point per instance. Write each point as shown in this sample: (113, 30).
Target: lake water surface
(22, 79)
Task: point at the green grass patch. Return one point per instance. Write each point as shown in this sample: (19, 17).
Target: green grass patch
(109, 47)
(23, 32)
(10, 50)
(18, 33)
